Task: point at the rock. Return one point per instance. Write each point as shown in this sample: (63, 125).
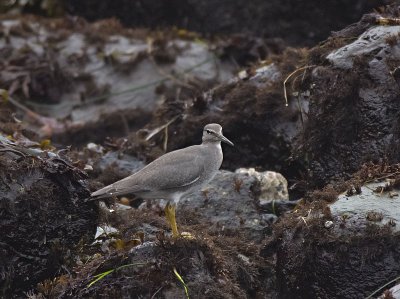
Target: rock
(273, 197)
(120, 53)
(102, 78)
(43, 217)
(95, 148)
(359, 211)
(392, 293)
(160, 267)
(273, 186)
(262, 76)
(104, 231)
(328, 224)
(230, 203)
(226, 205)
(347, 249)
(354, 98)
(109, 168)
(367, 43)
(124, 163)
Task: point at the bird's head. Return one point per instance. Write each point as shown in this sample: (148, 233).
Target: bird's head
(212, 133)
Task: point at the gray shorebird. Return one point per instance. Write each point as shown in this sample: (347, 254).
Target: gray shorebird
(174, 174)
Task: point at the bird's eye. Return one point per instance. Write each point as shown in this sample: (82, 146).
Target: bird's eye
(208, 131)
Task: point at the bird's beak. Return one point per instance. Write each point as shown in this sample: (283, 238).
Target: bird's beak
(224, 139)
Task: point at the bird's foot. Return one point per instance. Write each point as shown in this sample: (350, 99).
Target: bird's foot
(170, 215)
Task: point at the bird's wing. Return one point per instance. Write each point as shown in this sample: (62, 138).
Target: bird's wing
(116, 189)
(173, 170)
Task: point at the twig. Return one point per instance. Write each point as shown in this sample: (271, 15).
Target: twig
(382, 287)
(387, 21)
(382, 177)
(157, 292)
(298, 99)
(13, 151)
(159, 129)
(301, 111)
(165, 139)
(28, 257)
(289, 76)
(125, 124)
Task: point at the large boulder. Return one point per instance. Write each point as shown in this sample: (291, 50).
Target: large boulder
(345, 249)
(353, 96)
(43, 216)
(234, 204)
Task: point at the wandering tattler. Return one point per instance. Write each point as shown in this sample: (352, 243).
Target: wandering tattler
(174, 174)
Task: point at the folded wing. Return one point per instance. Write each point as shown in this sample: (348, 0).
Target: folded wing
(173, 170)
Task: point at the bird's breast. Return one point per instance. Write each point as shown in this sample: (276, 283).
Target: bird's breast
(213, 161)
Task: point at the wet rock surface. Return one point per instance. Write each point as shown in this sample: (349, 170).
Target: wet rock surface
(373, 206)
(354, 96)
(344, 249)
(230, 204)
(43, 217)
(96, 77)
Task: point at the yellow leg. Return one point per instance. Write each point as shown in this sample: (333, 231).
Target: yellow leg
(170, 214)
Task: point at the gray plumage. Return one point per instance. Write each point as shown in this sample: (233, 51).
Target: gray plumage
(176, 173)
